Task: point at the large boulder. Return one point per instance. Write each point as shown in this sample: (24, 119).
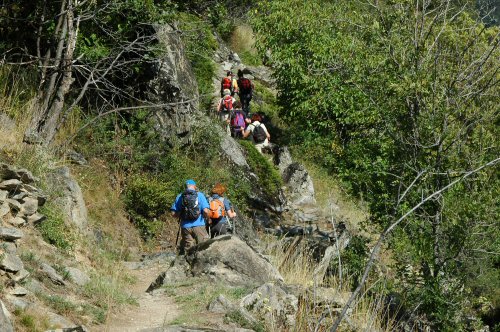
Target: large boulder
(172, 84)
(71, 197)
(231, 260)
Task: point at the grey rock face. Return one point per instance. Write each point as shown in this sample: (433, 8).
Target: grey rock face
(13, 204)
(29, 206)
(222, 305)
(299, 184)
(4, 209)
(11, 185)
(11, 172)
(273, 304)
(19, 275)
(36, 218)
(229, 259)
(10, 262)
(233, 151)
(72, 198)
(5, 323)
(300, 188)
(76, 158)
(9, 247)
(16, 221)
(78, 276)
(52, 274)
(18, 291)
(16, 302)
(10, 234)
(173, 85)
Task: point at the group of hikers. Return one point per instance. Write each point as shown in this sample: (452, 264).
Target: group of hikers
(201, 218)
(235, 114)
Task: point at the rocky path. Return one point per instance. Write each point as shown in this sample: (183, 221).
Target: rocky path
(152, 310)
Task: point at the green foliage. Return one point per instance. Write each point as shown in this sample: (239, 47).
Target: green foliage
(54, 230)
(250, 58)
(388, 97)
(153, 173)
(200, 47)
(269, 177)
(146, 199)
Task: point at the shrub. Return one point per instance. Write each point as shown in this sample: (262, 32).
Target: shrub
(147, 198)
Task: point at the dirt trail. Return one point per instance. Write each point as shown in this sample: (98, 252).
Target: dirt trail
(152, 310)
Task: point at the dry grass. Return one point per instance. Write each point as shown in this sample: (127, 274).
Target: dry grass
(297, 266)
(243, 39)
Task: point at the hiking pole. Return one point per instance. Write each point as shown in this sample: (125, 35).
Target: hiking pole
(178, 232)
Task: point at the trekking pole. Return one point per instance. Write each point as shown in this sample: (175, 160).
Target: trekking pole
(178, 232)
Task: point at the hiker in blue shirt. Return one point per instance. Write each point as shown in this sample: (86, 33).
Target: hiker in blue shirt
(220, 210)
(191, 207)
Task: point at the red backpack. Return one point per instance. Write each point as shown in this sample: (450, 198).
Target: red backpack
(227, 104)
(226, 83)
(245, 85)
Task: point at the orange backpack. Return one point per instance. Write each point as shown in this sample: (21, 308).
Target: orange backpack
(217, 209)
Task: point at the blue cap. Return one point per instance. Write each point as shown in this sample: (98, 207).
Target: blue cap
(190, 183)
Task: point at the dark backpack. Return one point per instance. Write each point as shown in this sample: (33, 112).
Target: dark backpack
(190, 208)
(245, 86)
(238, 120)
(227, 104)
(259, 134)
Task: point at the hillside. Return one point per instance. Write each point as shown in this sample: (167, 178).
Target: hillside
(373, 208)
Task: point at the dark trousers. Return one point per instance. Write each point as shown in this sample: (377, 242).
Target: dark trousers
(245, 103)
(217, 228)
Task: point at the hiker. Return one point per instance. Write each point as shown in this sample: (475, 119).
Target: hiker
(191, 207)
(220, 211)
(260, 135)
(225, 108)
(229, 82)
(245, 91)
(238, 122)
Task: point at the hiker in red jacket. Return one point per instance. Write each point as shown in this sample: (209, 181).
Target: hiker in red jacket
(230, 83)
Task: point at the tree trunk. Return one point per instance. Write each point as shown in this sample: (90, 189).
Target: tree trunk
(55, 84)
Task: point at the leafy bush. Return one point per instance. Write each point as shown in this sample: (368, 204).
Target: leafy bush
(147, 198)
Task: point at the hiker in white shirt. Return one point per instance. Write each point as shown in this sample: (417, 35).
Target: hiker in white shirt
(260, 135)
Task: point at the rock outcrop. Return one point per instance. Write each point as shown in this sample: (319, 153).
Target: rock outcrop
(172, 85)
(71, 198)
(231, 260)
(300, 188)
(224, 258)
